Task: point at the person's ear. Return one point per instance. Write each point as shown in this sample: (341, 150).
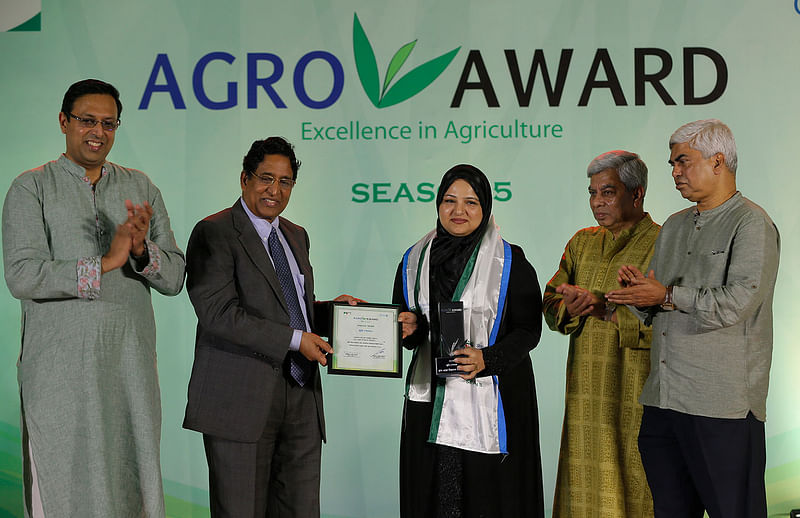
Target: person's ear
(638, 196)
(718, 160)
(62, 122)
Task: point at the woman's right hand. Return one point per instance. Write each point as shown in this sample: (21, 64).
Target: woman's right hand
(409, 321)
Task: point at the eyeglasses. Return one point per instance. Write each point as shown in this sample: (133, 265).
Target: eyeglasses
(267, 180)
(91, 123)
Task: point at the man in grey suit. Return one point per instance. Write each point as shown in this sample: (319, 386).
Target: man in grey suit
(255, 391)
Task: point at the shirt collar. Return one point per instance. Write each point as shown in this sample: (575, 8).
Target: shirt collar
(731, 202)
(262, 226)
(645, 222)
(76, 170)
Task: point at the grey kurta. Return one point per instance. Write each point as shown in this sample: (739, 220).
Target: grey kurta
(711, 356)
(87, 369)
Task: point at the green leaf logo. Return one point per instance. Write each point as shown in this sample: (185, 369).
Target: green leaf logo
(20, 15)
(406, 86)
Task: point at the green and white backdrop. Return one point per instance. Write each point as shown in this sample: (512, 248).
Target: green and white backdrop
(380, 99)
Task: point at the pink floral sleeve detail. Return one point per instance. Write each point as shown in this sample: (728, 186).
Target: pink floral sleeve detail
(154, 266)
(89, 277)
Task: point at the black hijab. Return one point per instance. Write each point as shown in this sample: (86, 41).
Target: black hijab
(449, 253)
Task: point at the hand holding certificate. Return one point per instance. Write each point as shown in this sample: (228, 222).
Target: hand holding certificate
(366, 340)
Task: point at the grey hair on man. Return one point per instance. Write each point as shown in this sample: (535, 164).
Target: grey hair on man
(631, 170)
(708, 136)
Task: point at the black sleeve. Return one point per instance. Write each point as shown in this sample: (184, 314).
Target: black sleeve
(322, 317)
(521, 326)
(416, 338)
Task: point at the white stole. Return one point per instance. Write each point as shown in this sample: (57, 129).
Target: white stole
(467, 414)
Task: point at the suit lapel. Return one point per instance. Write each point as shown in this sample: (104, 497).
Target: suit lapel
(254, 248)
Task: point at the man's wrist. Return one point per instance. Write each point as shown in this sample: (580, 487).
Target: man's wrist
(140, 261)
(294, 344)
(610, 309)
(142, 255)
(668, 304)
(108, 264)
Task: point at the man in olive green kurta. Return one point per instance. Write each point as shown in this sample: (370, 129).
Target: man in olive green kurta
(82, 258)
(600, 472)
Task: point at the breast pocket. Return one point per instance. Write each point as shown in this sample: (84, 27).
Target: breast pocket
(714, 267)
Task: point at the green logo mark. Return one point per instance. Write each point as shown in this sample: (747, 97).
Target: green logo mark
(20, 15)
(406, 86)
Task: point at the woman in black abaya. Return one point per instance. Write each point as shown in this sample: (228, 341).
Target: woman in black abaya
(470, 443)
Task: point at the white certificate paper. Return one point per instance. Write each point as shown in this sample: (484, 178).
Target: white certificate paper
(366, 340)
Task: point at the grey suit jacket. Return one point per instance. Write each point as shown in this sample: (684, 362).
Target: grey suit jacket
(243, 331)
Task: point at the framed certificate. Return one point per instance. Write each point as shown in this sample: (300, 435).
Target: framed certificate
(366, 340)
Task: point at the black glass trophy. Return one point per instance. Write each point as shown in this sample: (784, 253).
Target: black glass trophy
(451, 337)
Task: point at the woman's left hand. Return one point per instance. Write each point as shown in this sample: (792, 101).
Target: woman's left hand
(409, 323)
(470, 361)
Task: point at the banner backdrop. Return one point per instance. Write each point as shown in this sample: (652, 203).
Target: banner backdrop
(380, 99)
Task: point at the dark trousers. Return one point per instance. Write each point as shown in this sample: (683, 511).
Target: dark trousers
(279, 475)
(695, 463)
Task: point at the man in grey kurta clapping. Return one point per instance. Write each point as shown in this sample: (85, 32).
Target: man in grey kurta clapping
(84, 241)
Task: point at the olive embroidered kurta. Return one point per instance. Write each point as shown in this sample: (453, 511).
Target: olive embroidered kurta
(600, 472)
(87, 369)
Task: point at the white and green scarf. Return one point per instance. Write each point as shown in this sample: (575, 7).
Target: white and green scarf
(466, 414)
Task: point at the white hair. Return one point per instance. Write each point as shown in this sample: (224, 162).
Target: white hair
(708, 136)
(631, 170)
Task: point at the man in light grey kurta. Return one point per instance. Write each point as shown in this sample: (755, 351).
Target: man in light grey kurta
(82, 259)
(709, 296)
